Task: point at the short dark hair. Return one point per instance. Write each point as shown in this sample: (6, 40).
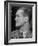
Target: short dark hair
(27, 12)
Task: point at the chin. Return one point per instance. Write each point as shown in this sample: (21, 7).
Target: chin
(18, 24)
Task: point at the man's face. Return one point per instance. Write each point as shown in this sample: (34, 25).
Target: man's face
(19, 18)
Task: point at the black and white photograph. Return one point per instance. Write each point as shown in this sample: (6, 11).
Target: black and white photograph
(20, 19)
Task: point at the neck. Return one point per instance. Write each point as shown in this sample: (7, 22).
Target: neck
(25, 27)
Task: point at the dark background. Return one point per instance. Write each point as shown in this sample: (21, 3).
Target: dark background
(13, 22)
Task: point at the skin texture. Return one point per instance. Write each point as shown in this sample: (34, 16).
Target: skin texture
(20, 19)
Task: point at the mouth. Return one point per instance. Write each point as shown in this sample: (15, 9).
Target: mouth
(17, 22)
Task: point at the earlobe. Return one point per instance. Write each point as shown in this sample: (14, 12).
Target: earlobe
(26, 19)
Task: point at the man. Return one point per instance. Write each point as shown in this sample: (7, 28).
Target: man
(22, 24)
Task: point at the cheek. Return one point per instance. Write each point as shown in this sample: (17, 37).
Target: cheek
(21, 20)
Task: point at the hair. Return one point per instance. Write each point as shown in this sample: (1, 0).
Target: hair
(27, 11)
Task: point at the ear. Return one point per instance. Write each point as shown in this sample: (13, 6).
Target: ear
(26, 19)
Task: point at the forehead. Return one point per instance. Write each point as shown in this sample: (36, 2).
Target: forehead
(20, 11)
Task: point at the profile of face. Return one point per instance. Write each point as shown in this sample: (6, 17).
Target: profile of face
(20, 19)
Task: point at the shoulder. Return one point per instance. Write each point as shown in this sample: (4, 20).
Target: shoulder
(14, 34)
(29, 34)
